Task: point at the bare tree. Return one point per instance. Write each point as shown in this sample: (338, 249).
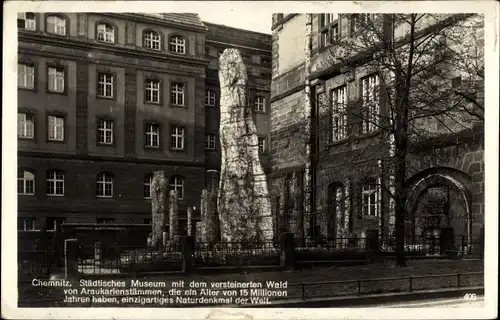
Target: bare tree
(425, 69)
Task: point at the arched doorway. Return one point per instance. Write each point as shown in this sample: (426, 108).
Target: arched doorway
(438, 210)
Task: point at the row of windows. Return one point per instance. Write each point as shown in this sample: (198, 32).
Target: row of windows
(370, 88)
(104, 184)
(210, 143)
(106, 87)
(52, 224)
(105, 32)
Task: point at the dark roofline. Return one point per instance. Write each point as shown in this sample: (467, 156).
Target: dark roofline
(208, 24)
(157, 20)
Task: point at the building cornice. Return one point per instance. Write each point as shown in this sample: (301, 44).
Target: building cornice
(119, 50)
(73, 156)
(226, 44)
(156, 20)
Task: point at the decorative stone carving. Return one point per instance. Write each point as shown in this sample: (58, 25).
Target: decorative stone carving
(243, 197)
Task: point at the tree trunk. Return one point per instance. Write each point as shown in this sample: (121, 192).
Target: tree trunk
(400, 199)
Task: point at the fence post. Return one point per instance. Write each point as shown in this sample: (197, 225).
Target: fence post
(187, 248)
(70, 258)
(287, 251)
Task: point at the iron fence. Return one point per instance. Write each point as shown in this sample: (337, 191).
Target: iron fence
(236, 254)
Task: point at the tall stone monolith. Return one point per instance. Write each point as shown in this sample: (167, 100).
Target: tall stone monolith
(243, 198)
(158, 207)
(173, 216)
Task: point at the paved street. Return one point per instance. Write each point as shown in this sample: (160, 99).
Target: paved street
(440, 303)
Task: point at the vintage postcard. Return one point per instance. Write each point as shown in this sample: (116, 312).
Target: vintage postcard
(250, 160)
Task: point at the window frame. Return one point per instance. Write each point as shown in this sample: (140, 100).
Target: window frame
(103, 184)
(325, 29)
(52, 180)
(174, 186)
(370, 188)
(26, 76)
(370, 109)
(210, 145)
(25, 125)
(176, 136)
(148, 182)
(260, 106)
(60, 71)
(152, 134)
(177, 45)
(25, 19)
(24, 220)
(104, 130)
(339, 131)
(113, 32)
(101, 94)
(177, 93)
(152, 41)
(25, 180)
(54, 32)
(262, 150)
(151, 90)
(63, 131)
(210, 101)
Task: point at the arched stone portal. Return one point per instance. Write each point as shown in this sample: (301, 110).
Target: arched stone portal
(438, 199)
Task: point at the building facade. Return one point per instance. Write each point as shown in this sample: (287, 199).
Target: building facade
(338, 162)
(104, 100)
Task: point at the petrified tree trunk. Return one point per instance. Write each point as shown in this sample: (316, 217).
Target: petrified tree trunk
(173, 216)
(243, 197)
(158, 207)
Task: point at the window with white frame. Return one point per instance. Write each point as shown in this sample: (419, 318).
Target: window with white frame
(26, 20)
(25, 76)
(177, 94)
(53, 224)
(25, 126)
(56, 79)
(25, 182)
(260, 104)
(152, 40)
(105, 84)
(105, 33)
(339, 116)
(210, 142)
(26, 224)
(152, 135)
(178, 44)
(370, 198)
(177, 184)
(370, 117)
(210, 98)
(152, 93)
(262, 145)
(177, 138)
(148, 185)
(56, 25)
(55, 128)
(105, 131)
(104, 185)
(55, 183)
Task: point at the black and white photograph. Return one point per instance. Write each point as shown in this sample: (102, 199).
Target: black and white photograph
(250, 160)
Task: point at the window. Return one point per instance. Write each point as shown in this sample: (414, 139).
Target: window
(210, 142)
(55, 183)
(177, 184)
(152, 40)
(56, 79)
(25, 126)
(262, 145)
(177, 138)
(105, 220)
(26, 224)
(210, 98)
(265, 61)
(370, 199)
(25, 182)
(260, 104)
(339, 117)
(54, 224)
(148, 184)
(152, 93)
(105, 84)
(104, 185)
(25, 76)
(177, 94)
(362, 21)
(105, 131)
(56, 25)
(26, 20)
(105, 33)
(152, 135)
(55, 128)
(370, 91)
(178, 45)
(329, 28)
